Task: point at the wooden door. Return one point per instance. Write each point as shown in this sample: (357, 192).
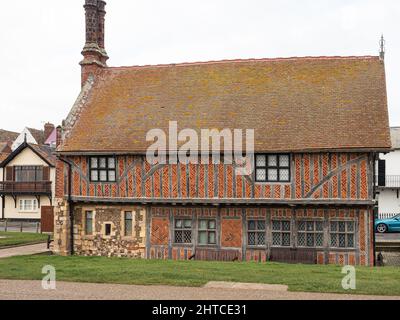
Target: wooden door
(47, 222)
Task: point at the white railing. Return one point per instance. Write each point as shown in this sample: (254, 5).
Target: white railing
(387, 215)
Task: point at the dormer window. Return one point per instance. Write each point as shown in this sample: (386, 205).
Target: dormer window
(102, 169)
(272, 168)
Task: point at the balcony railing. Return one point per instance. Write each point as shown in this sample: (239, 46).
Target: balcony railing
(388, 181)
(34, 188)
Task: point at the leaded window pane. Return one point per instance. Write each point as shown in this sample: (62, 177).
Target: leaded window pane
(212, 238)
(103, 162)
(286, 239)
(284, 161)
(261, 161)
(178, 224)
(302, 226)
(342, 240)
(276, 225)
(89, 223)
(319, 239)
(272, 175)
(128, 227)
(94, 163)
(94, 175)
(252, 238)
(310, 226)
(272, 161)
(203, 237)
(301, 239)
(128, 215)
(260, 225)
(319, 226)
(211, 224)
(188, 224)
(187, 236)
(203, 224)
(103, 175)
(111, 163)
(284, 175)
(342, 226)
(350, 241)
(261, 174)
(334, 226)
(334, 242)
(310, 240)
(286, 225)
(261, 238)
(350, 226)
(276, 239)
(178, 237)
(111, 176)
(252, 225)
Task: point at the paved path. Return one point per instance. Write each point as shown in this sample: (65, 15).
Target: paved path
(25, 250)
(388, 237)
(26, 290)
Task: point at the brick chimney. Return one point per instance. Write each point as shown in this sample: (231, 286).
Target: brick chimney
(94, 53)
(48, 130)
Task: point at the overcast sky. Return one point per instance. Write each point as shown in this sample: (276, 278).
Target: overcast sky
(41, 41)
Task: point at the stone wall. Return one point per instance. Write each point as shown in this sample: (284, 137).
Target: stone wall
(116, 244)
(61, 228)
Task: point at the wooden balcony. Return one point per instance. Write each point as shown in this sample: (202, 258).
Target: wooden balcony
(25, 188)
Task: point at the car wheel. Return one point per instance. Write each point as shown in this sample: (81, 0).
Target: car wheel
(381, 228)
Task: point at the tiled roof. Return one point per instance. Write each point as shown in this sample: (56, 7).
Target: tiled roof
(38, 135)
(46, 152)
(395, 134)
(7, 136)
(294, 104)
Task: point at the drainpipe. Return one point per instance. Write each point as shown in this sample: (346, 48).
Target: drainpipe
(373, 211)
(70, 204)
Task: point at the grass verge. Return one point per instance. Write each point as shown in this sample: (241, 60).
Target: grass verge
(305, 278)
(9, 239)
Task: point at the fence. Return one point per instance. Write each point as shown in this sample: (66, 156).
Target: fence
(19, 226)
(387, 215)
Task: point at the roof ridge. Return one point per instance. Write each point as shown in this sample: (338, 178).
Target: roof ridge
(247, 60)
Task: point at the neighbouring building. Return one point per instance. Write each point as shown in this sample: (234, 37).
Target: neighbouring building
(389, 178)
(27, 177)
(320, 124)
(6, 140)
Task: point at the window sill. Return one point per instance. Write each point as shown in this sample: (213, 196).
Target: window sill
(263, 247)
(30, 212)
(87, 237)
(128, 238)
(182, 244)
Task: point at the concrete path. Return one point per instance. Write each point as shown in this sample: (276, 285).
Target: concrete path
(23, 251)
(32, 290)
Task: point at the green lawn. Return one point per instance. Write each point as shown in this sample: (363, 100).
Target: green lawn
(308, 278)
(17, 238)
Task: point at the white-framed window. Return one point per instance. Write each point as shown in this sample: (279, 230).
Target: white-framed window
(28, 205)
